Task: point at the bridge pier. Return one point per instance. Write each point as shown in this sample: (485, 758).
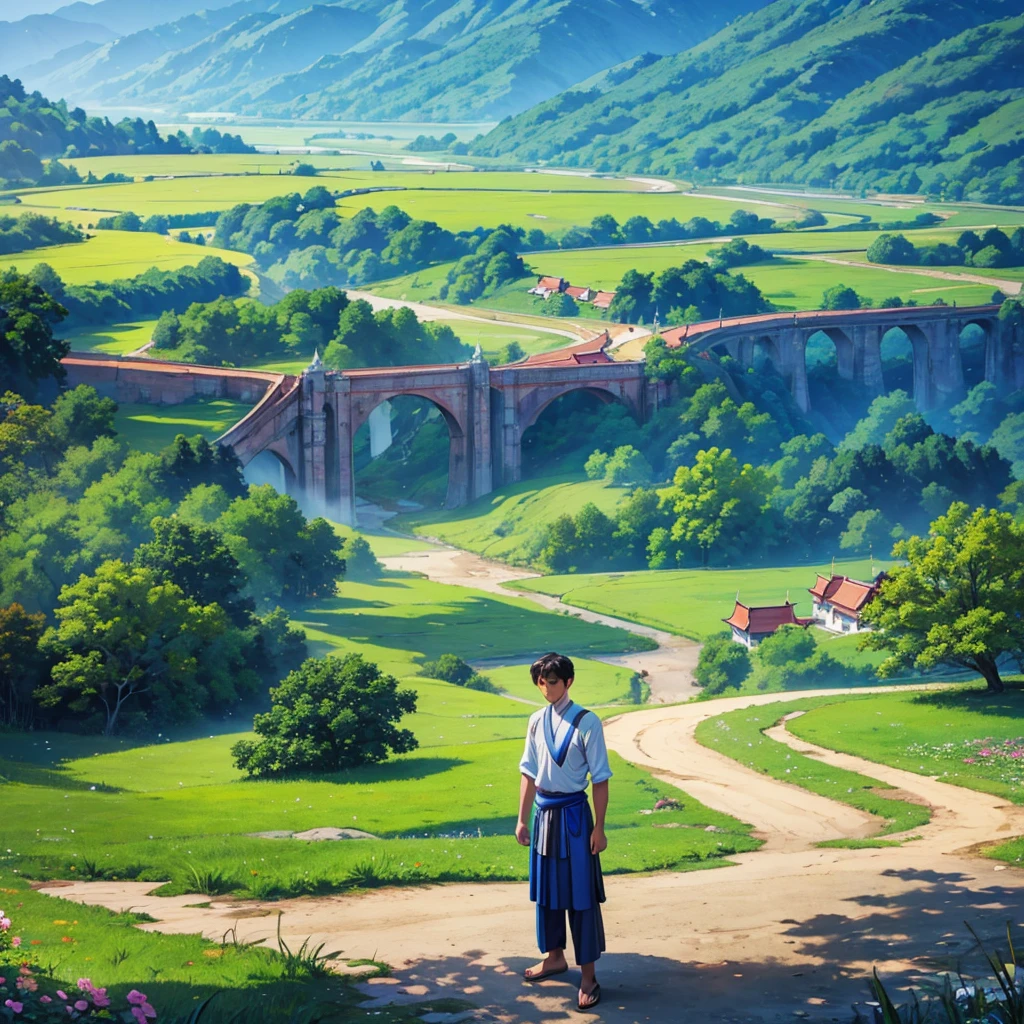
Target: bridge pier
(867, 357)
(1000, 358)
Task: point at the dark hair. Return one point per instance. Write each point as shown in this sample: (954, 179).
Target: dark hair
(558, 664)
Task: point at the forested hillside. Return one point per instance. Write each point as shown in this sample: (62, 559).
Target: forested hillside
(438, 60)
(895, 95)
(34, 130)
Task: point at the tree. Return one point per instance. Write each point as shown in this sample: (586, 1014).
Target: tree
(890, 249)
(595, 465)
(881, 418)
(81, 415)
(627, 466)
(21, 664)
(867, 530)
(959, 599)
(512, 353)
(839, 296)
(722, 663)
(720, 507)
(360, 561)
(29, 353)
(125, 636)
(788, 645)
(1008, 440)
(330, 714)
(560, 304)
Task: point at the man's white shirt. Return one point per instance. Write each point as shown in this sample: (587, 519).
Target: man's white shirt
(587, 751)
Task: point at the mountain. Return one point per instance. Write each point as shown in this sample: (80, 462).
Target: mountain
(430, 60)
(127, 16)
(40, 36)
(887, 94)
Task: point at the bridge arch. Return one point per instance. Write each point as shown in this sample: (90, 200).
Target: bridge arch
(533, 404)
(271, 465)
(458, 441)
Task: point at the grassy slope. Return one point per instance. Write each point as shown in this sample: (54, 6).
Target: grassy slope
(112, 254)
(150, 427)
(509, 523)
(115, 340)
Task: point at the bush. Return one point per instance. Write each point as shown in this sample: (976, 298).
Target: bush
(329, 714)
(788, 645)
(360, 561)
(722, 663)
(450, 668)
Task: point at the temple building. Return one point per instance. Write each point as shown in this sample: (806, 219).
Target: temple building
(837, 602)
(751, 625)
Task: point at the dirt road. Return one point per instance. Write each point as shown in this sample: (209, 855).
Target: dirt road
(789, 932)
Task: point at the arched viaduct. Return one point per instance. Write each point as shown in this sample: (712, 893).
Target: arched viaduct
(308, 422)
(933, 331)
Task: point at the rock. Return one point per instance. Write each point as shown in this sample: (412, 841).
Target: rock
(321, 834)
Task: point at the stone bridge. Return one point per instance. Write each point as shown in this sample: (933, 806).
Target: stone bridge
(933, 331)
(308, 422)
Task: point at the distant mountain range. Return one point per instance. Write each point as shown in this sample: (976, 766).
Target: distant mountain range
(899, 95)
(429, 60)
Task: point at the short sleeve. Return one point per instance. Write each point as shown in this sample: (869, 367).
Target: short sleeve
(596, 751)
(528, 764)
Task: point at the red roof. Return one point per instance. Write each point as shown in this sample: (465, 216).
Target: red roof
(554, 284)
(592, 351)
(766, 619)
(577, 293)
(603, 299)
(844, 593)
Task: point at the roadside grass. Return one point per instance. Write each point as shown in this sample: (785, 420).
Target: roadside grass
(109, 255)
(691, 602)
(493, 335)
(149, 428)
(509, 523)
(739, 735)
(114, 340)
(931, 734)
(71, 940)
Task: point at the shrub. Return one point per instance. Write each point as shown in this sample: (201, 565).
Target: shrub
(722, 663)
(360, 561)
(452, 669)
(329, 714)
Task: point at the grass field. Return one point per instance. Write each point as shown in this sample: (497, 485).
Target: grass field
(493, 336)
(112, 254)
(596, 682)
(150, 428)
(115, 340)
(509, 523)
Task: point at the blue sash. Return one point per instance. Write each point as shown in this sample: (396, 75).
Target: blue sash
(564, 874)
(560, 752)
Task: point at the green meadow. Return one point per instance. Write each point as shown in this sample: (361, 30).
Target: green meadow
(109, 255)
(509, 524)
(114, 340)
(151, 427)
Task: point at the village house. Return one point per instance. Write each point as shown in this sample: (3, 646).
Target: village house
(751, 625)
(579, 294)
(548, 286)
(602, 300)
(837, 602)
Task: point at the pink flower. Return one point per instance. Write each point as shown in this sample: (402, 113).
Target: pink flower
(2, 980)
(136, 998)
(5, 922)
(984, 753)
(16, 941)
(62, 994)
(45, 999)
(12, 1005)
(138, 1015)
(969, 760)
(81, 1005)
(85, 984)
(99, 997)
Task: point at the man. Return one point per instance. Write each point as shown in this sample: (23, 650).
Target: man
(564, 743)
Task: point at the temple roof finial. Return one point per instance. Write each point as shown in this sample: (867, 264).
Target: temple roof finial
(316, 363)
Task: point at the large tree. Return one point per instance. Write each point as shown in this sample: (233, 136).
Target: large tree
(959, 600)
(29, 353)
(327, 715)
(21, 663)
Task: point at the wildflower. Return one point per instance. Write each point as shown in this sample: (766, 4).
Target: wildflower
(5, 922)
(81, 1005)
(36, 942)
(16, 942)
(45, 999)
(62, 995)
(100, 997)
(15, 1006)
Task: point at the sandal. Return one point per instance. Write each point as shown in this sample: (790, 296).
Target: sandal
(595, 996)
(545, 974)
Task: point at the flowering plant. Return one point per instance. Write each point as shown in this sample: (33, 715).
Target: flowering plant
(26, 997)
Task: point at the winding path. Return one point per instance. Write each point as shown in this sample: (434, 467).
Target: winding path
(789, 932)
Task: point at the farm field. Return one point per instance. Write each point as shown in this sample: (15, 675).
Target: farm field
(152, 427)
(115, 340)
(509, 523)
(109, 255)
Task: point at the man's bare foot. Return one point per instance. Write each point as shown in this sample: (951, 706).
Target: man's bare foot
(553, 963)
(589, 995)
